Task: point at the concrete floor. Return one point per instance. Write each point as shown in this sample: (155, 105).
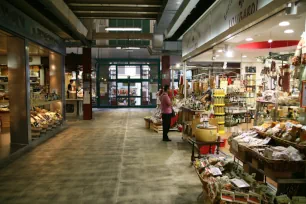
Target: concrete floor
(111, 159)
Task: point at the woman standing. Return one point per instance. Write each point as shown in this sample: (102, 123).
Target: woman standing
(166, 109)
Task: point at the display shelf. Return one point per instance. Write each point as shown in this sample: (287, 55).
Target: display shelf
(42, 103)
(219, 114)
(219, 104)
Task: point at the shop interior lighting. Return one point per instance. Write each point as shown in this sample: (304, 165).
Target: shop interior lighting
(270, 41)
(229, 53)
(178, 65)
(122, 29)
(220, 50)
(244, 56)
(249, 39)
(284, 23)
(118, 48)
(217, 56)
(225, 65)
(289, 31)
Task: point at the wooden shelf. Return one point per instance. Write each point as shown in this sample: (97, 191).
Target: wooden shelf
(42, 103)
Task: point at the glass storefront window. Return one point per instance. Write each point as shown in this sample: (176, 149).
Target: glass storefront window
(129, 72)
(129, 83)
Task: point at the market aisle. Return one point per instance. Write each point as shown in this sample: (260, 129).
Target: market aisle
(112, 159)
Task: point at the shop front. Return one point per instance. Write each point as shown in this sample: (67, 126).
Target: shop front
(127, 83)
(250, 67)
(31, 81)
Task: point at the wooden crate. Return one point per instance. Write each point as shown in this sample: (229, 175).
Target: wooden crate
(156, 127)
(147, 123)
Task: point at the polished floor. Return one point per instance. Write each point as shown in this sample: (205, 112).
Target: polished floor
(111, 159)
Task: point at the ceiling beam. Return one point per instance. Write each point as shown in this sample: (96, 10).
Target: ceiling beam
(142, 3)
(122, 36)
(117, 16)
(114, 8)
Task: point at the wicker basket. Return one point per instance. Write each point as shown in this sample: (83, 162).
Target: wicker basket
(286, 143)
(279, 165)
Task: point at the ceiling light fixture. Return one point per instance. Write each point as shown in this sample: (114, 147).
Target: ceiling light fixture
(122, 29)
(229, 54)
(284, 23)
(118, 48)
(178, 65)
(131, 48)
(220, 51)
(249, 39)
(289, 31)
(270, 41)
(244, 56)
(217, 56)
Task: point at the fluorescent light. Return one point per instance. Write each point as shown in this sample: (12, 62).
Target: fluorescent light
(289, 31)
(178, 65)
(131, 48)
(217, 56)
(122, 29)
(244, 56)
(249, 39)
(118, 48)
(220, 51)
(229, 54)
(284, 23)
(270, 41)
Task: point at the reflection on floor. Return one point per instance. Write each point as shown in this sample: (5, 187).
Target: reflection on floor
(6, 148)
(111, 159)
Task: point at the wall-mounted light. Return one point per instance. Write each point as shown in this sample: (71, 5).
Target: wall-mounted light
(270, 41)
(249, 39)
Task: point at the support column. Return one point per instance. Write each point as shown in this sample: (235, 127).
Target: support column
(19, 89)
(87, 101)
(57, 80)
(165, 70)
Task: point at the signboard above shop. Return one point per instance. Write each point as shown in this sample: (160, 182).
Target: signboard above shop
(13, 20)
(222, 16)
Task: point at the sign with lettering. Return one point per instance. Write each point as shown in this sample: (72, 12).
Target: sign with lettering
(12, 19)
(218, 19)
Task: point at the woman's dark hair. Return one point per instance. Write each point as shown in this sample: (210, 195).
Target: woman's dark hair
(71, 81)
(166, 87)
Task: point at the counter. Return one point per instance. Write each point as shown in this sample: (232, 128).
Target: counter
(74, 107)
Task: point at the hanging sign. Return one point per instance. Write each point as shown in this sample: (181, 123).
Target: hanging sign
(219, 18)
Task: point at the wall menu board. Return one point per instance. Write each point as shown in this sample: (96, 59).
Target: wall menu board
(303, 95)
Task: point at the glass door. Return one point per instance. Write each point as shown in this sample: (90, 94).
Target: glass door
(129, 93)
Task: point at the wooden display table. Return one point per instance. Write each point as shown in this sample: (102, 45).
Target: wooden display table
(199, 144)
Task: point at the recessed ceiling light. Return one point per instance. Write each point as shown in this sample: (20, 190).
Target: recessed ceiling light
(284, 23)
(270, 41)
(244, 56)
(229, 54)
(289, 31)
(220, 51)
(249, 39)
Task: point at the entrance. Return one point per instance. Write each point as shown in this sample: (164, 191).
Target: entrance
(129, 93)
(127, 83)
